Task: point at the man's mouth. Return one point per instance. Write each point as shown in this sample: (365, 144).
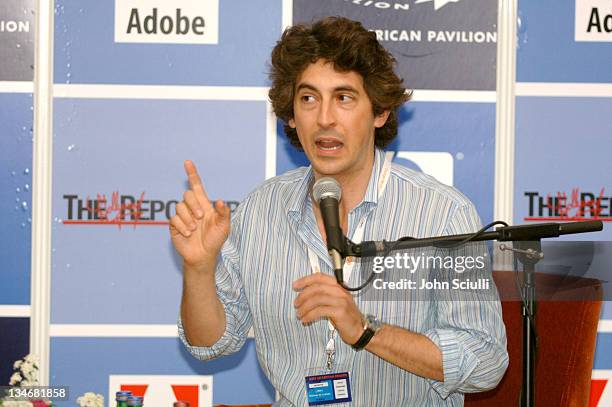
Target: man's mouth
(329, 144)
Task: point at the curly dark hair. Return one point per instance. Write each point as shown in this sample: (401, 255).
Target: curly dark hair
(348, 46)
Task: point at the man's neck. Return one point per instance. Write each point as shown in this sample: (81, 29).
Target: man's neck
(354, 186)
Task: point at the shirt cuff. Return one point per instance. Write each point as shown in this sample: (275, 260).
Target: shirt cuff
(458, 363)
(223, 346)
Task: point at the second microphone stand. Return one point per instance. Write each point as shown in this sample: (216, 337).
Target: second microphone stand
(528, 251)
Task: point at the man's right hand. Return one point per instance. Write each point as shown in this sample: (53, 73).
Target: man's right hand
(200, 227)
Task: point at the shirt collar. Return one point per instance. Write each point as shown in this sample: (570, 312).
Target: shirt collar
(371, 194)
(297, 201)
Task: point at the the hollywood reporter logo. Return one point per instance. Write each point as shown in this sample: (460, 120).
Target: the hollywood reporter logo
(577, 205)
(121, 209)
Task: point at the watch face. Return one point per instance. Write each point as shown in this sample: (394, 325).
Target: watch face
(373, 322)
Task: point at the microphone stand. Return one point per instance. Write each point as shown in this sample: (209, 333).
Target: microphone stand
(528, 252)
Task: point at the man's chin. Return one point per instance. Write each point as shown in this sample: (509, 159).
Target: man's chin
(328, 169)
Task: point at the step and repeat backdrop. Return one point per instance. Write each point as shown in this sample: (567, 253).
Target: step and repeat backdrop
(142, 85)
(564, 132)
(16, 117)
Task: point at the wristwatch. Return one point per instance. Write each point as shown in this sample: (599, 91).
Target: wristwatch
(371, 326)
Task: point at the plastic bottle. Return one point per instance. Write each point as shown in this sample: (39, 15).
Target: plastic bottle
(134, 401)
(121, 397)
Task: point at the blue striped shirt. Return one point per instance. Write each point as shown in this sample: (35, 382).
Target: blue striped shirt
(267, 250)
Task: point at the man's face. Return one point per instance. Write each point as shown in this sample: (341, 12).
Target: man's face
(334, 121)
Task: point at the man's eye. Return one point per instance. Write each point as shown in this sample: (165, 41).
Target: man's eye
(345, 98)
(307, 98)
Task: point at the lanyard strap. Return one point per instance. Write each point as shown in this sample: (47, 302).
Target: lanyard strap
(330, 348)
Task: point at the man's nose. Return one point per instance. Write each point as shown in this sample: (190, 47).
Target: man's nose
(327, 114)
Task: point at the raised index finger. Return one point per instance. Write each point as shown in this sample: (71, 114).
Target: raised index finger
(195, 182)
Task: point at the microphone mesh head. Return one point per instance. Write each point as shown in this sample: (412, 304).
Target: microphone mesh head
(326, 187)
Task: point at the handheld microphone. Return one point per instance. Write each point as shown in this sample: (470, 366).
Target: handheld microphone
(327, 192)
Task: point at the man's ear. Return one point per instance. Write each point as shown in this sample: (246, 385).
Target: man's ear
(381, 119)
(291, 123)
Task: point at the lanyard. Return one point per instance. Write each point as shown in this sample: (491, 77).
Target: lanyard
(330, 347)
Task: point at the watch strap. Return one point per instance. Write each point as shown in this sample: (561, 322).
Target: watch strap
(366, 336)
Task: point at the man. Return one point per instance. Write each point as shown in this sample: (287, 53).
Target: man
(333, 85)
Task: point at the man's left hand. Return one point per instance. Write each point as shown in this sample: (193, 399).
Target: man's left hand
(320, 296)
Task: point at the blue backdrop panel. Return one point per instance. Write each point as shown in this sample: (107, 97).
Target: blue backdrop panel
(603, 351)
(16, 197)
(247, 32)
(15, 343)
(130, 273)
(547, 51)
(238, 379)
(465, 130)
(563, 145)
(606, 312)
(452, 58)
